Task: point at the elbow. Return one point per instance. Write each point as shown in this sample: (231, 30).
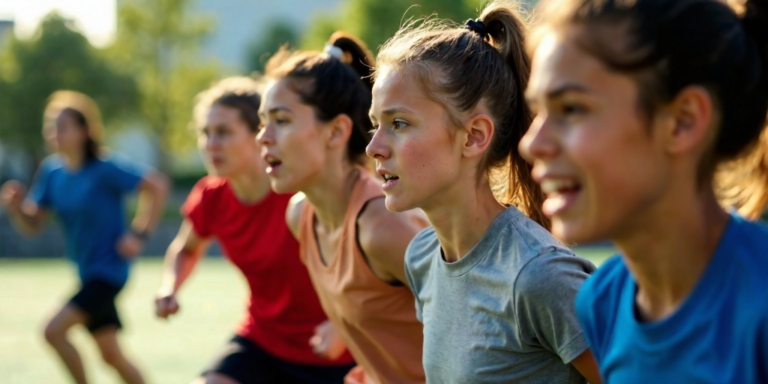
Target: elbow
(158, 184)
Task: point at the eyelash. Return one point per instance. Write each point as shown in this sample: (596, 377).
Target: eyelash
(398, 121)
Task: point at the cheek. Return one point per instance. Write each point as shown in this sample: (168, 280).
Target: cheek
(428, 160)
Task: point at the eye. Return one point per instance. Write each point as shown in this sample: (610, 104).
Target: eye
(374, 129)
(281, 121)
(399, 124)
(572, 109)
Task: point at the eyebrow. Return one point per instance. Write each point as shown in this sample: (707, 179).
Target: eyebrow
(393, 111)
(275, 110)
(559, 92)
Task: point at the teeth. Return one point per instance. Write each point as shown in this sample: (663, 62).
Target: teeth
(388, 177)
(556, 185)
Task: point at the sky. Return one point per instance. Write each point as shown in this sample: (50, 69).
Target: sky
(96, 19)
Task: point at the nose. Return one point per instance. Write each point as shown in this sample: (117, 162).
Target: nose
(378, 149)
(538, 143)
(265, 137)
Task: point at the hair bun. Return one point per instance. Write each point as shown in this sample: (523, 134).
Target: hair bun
(755, 20)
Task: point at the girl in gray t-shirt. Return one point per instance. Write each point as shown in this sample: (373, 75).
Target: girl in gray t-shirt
(494, 289)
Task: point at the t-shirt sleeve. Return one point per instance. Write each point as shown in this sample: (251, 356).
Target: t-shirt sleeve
(194, 209)
(40, 190)
(545, 293)
(124, 175)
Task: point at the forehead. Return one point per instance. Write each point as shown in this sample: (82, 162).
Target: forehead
(278, 93)
(558, 62)
(398, 87)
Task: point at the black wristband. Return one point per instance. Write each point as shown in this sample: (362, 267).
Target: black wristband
(143, 235)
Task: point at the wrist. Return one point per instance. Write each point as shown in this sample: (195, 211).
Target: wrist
(142, 235)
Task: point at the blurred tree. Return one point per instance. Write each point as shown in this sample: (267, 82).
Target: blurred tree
(276, 35)
(375, 21)
(57, 57)
(157, 41)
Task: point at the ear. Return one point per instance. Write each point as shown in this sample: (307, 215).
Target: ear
(339, 131)
(688, 120)
(478, 135)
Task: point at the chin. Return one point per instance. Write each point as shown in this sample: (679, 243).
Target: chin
(574, 231)
(394, 204)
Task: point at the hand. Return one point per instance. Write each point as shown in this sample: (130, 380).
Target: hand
(326, 342)
(129, 245)
(357, 375)
(12, 196)
(166, 305)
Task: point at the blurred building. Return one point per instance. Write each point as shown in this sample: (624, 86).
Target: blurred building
(240, 22)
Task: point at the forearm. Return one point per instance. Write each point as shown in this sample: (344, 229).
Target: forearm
(152, 199)
(28, 223)
(179, 264)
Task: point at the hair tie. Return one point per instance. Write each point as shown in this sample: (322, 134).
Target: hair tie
(338, 53)
(478, 27)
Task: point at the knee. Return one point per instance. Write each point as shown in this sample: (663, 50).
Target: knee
(215, 378)
(53, 334)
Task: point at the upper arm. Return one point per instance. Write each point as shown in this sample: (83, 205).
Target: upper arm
(154, 181)
(293, 213)
(125, 176)
(545, 293)
(587, 366)
(384, 236)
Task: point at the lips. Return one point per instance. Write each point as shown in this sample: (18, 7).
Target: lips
(561, 193)
(390, 179)
(273, 163)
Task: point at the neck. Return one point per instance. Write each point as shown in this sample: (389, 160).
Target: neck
(668, 248)
(462, 217)
(331, 192)
(73, 160)
(252, 185)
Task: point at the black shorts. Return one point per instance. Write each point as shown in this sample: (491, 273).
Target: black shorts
(245, 362)
(97, 299)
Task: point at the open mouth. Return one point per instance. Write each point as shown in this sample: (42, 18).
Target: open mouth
(272, 162)
(389, 177)
(561, 194)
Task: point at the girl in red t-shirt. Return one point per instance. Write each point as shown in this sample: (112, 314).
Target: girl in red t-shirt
(235, 205)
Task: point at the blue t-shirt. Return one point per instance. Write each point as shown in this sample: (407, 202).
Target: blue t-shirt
(718, 335)
(89, 203)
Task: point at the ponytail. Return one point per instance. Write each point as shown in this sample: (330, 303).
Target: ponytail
(337, 81)
(485, 60)
(744, 181)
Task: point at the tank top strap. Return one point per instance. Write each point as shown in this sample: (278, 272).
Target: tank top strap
(366, 189)
(306, 232)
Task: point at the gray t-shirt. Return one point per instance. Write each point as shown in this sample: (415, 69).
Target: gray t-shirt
(504, 313)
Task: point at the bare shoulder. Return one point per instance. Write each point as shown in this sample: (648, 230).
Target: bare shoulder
(293, 213)
(384, 235)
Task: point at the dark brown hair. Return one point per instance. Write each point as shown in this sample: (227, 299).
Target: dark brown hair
(459, 68)
(333, 84)
(670, 45)
(90, 147)
(241, 93)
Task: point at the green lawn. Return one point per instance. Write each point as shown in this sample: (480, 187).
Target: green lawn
(168, 352)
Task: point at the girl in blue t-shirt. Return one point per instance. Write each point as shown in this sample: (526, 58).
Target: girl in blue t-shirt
(651, 114)
(86, 190)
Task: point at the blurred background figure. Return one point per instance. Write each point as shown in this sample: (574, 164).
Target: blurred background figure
(86, 188)
(236, 205)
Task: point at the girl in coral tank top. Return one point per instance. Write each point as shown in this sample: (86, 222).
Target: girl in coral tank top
(316, 128)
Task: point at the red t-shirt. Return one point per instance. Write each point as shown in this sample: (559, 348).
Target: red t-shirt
(283, 310)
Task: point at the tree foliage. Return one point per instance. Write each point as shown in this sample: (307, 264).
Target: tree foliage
(375, 21)
(277, 34)
(158, 41)
(57, 57)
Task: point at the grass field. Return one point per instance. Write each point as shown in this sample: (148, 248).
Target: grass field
(168, 352)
